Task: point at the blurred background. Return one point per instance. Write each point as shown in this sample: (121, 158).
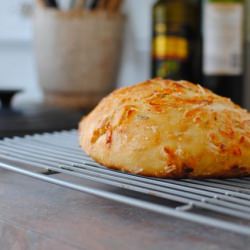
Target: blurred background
(68, 54)
(17, 62)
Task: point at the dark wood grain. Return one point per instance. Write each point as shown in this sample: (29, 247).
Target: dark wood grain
(38, 215)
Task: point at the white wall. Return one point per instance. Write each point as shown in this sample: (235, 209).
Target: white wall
(17, 68)
(136, 53)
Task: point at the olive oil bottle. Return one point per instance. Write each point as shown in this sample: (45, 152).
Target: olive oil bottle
(176, 40)
(223, 47)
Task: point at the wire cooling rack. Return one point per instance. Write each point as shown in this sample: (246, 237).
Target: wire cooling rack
(219, 203)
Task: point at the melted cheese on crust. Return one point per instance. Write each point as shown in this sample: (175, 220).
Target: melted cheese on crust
(168, 128)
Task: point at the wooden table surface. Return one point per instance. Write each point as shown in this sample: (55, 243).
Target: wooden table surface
(38, 215)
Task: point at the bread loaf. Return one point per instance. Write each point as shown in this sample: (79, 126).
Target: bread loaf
(170, 129)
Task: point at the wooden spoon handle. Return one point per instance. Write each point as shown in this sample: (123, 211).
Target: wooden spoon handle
(114, 5)
(102, 4)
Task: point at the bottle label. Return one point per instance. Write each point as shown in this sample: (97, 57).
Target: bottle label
(170, 51)
(223, 38)
(170, 47)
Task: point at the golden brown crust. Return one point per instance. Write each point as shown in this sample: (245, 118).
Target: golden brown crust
(170, 129)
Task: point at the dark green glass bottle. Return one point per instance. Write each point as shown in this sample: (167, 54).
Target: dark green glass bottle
(176, 40)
